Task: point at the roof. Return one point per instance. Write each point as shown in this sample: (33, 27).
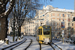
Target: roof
(51, 8)
(63, 10)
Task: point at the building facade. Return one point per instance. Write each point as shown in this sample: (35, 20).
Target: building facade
(53, 17)
(29, 27)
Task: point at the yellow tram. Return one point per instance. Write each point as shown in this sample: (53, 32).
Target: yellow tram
(44, 34)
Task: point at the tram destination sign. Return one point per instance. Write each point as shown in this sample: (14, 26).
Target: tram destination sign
(46, 26)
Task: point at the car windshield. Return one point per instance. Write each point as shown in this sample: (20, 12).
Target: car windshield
(46, 31)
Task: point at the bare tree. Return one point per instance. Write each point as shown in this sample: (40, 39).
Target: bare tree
(23, 9)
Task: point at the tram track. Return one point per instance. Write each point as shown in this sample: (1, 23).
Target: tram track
(51, 46)
(18, 45)
(55, 45)
(13, 45)
(29, 44)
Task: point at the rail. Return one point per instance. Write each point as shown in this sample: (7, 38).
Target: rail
(11, 45)
(28, 45)
(57, 46)
(18, 45)
(51, 46)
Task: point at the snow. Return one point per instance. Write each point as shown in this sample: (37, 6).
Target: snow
(0, 2)
(50, 7)
(2, 45)
(63, 10)
(64, 46)
(1, 41)
(35, 44)
(46, 47)
(21, 47)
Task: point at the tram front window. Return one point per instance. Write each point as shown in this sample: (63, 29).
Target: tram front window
(40, 32)
(46, 31)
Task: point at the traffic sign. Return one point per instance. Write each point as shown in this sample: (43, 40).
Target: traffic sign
(62, 24)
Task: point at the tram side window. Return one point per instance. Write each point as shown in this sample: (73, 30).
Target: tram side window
(40, 32)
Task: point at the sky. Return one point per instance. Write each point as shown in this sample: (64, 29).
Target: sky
(67, 4)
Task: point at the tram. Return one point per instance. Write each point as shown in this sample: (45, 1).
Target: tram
(44, 34)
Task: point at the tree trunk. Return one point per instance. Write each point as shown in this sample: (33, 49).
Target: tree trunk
(6, 26)
(3, 24)
(19, 31)
(3, 28)
(3, 17)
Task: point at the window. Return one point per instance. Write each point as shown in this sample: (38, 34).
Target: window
(33, 29)
(47, 15)
(41, 12)
(63, 15)
(43, 15)
(68, 15)
(40, 32)
(36, 21)
(51, 14)
(40, 16)
(59, 20)
(63, 19)
(59, 28)
(72, 29)
(68, 24)
(37, 16)
(46, 31)
(72, 24)
(72, 15)
(42, 19)
(59, 14)
(33, 25)
(69, 19)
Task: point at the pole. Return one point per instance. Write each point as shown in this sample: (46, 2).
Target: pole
(63, 27)
(40, 45)
(63, 35)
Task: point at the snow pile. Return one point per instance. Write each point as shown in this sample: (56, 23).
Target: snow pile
(1, 41)
(10, 38)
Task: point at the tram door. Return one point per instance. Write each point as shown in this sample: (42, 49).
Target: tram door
(40, 34)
